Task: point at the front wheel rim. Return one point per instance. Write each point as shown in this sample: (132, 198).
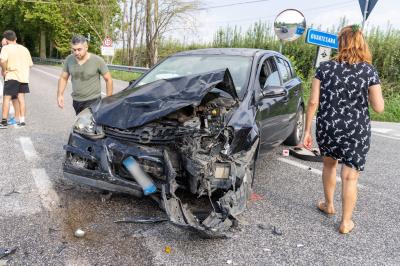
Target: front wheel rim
(299, 126)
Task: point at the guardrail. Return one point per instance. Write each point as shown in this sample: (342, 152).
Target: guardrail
(52, 61)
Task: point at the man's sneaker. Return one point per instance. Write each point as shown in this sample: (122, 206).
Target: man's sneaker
(3, 126)
(22, 124)
(12, 121)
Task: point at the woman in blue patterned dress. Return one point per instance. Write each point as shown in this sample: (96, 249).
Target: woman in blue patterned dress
(342, 90)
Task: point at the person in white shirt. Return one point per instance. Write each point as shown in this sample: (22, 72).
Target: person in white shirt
(14, 114)
(15, 61)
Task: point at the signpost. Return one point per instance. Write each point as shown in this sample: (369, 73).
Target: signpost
(366, 8)
(107, 48)
(323, 54)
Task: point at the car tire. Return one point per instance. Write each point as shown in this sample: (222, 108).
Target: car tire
(296, 136)
(253, 167)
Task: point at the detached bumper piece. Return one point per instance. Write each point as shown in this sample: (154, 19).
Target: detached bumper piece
(223, 215)
(217, 223)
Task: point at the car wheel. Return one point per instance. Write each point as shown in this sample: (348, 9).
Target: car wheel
(252, 168)
(250, 178)
(295, 137)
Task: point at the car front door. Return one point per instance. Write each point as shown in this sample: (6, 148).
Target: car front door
(292, 86)
(271, 103)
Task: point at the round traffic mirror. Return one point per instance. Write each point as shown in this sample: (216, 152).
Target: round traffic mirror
(289, 25)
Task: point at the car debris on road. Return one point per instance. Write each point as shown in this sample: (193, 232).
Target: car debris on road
(7, 251)
(143, 220)
(79, 233)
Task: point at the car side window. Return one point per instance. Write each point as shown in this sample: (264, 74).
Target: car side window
(269, 75)
(290, 69)
(273, 78)
(283, 70)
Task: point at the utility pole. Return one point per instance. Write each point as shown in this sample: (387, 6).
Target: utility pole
(365, 14)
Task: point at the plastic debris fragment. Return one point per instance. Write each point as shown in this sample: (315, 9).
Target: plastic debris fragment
(276, 231)
(168, 250)
(6, 251)
(79, 233)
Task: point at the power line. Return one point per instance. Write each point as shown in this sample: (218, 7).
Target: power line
(233, 4)
(63, 3)
(341, 4)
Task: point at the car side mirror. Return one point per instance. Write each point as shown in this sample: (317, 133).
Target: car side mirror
(273, 91)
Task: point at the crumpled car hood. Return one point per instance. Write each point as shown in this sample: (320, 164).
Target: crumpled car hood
(137, 106)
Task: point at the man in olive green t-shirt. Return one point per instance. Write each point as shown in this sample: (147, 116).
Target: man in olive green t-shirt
(85, 70)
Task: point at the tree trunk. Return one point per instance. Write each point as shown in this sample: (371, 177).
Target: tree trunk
(149, 33)
(141, 45)
(130, 32)
(155, 38)
(42, 52)
(123, 32)
(51, 49)
(136, 27)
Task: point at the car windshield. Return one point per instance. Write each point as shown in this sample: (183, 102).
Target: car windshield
(178, 66)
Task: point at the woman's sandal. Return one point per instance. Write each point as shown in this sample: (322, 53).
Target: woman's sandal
(322, 207)
(346, 230)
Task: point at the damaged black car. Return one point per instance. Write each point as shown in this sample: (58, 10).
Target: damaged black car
(195, 123)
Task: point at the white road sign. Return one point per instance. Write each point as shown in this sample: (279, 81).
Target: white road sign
(107, 51)
(323, 54)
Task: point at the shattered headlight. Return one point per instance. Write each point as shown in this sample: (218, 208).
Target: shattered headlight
(222, 170)
(85, 125)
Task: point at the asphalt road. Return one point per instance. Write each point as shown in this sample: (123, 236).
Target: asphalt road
(40, 210)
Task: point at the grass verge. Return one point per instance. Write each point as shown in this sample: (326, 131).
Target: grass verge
(392, 102)
(123, 75)
(392, 110)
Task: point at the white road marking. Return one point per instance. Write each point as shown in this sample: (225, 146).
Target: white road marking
(312, 170)
(381, 130)
(300, 165)
(44, 186)
(28, 148)
(54, 76)
(386, 136)
(44, 72)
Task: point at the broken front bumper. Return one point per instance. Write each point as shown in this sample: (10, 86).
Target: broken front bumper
(98, 163)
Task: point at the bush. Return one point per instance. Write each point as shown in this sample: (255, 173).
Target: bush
(384, 46)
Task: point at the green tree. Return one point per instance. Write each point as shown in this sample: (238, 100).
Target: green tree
(46, 27)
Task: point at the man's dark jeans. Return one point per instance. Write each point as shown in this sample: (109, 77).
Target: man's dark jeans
(79, 106)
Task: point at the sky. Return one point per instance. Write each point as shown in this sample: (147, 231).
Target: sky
(325, 13)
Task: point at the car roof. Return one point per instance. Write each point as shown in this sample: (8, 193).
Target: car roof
(227, 51)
